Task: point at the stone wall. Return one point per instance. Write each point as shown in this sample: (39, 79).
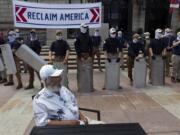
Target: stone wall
(175, 20)
(138, 18)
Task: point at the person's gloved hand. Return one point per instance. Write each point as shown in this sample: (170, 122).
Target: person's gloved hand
(164, 57)
(153, 57)
(109, 60)
(168, 48)
(146, 58)
(118, 60)
(137, 58)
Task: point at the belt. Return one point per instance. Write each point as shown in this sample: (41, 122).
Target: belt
(85, 55)
(58, 58)
(112, 56)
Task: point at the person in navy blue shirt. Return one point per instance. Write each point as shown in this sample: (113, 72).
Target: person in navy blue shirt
(134, 48)
(123, 45)
(169, 39)
(96, 41)
(176, 59)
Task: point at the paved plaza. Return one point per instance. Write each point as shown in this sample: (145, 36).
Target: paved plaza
(157, 109)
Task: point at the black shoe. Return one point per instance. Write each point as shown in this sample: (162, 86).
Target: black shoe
(120, 87)
(19, 86)
(178, 80)
(9, 84)
(173, 80)
(100, 69)
(3, 81)
(29, 87)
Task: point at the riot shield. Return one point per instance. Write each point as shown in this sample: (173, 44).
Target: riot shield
(112, 75)
(30, 57)
(8, 59)
(140, 72)
(157, 71)
(85, 76)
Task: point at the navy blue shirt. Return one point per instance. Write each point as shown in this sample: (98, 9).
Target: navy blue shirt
(169, 41)
(34, 45)
(157, 45)
(176, 50)
(60, 47)
(135, 48)
(111, 45)
(121, 42)
(96, 41)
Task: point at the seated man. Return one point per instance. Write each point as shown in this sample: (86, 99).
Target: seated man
(55, 104)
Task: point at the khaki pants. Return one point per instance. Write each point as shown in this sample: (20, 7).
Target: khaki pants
(130, 64)
(176, 66)
(97, 52)
(167, 63)
(31, 75)
(58, 63)
(18, 73)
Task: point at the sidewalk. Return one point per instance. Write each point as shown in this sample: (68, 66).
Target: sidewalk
(157, 109)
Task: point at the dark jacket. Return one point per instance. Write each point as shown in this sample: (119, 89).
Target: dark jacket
(35, 45)
(83, 44)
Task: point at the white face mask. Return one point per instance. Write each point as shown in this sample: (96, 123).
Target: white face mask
(158, 35)
(119, 34)
(135, 40)
(96, 34)
(167, 34)
(112, 35)
(178, 37)
(58, 37)
(17, 35)
(83, 30)
(147, 37)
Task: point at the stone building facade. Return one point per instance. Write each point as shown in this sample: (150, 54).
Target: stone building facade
(125, 15)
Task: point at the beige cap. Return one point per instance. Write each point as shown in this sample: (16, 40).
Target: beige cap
(136, 35)
(58, 32)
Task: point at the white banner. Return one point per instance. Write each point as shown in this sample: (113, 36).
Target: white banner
(37, 15)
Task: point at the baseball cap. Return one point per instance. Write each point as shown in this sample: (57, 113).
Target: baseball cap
(158, 30)
(112, 30)
(11, 32)
(58, 32)
(33, 31)
(136, 35)
(84, 25)
(49, 71)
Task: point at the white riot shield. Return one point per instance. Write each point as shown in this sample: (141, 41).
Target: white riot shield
(157, 71)
(85, 76)
(60, 65)
(30, 57)
(1, 65)
(140, 72)
(112, 75)
(8, 59)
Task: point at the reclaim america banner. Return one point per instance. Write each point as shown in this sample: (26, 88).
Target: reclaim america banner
(38, 15)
